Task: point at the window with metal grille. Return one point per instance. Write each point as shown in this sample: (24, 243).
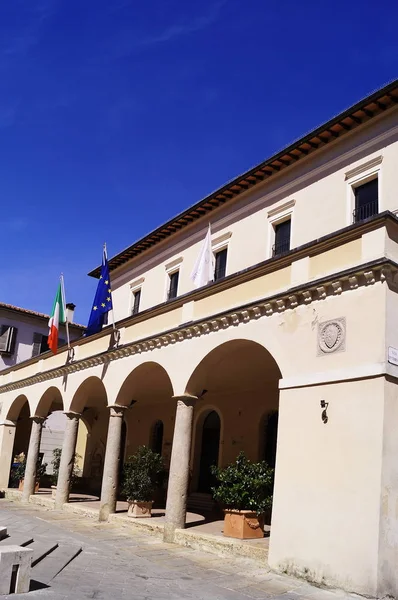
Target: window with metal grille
(173, 285)
(282, 238)
(221, 264)
(136, 303)
(366, 200)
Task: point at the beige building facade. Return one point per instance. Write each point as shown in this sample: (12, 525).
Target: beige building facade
(290, 355)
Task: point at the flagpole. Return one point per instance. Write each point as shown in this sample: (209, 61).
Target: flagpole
(65, 313)
(115, 331)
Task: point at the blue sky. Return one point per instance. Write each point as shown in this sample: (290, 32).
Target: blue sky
(116, 115)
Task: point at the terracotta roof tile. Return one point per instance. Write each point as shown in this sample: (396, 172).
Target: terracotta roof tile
(32, 313)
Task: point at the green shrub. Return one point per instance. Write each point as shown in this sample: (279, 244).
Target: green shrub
(244, 485)
(19, 471)
(143, 473)
(56, 461)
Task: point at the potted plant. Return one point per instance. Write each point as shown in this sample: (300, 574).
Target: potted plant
(143, 474)
(245, 491)
(19, 472)
(56, 461)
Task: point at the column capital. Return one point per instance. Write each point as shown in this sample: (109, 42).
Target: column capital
(8, 423)
(186, 399)
(37, 419)
(71, 414)
(117, 410)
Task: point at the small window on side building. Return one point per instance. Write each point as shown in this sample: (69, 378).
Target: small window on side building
(221, 264)
(136, 302)
(282, 238)
(8, 338)
(40, 344)
(173, 285)
(366, 200)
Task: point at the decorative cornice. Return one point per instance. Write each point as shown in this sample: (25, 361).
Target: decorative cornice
(381, 270)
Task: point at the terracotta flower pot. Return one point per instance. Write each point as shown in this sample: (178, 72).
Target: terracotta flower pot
(21, 483)
(140, 509)
(243, 524)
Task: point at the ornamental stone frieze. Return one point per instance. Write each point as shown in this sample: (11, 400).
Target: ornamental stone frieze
(331, 335)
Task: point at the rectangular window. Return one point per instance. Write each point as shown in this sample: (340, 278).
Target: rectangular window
(366, 200)
(173, 285)
(282, 238)
(40, 344)
(8, 337)
(221, 264)
(136, 302)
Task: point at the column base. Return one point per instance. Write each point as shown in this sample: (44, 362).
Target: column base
(169, 532)
(104, 513)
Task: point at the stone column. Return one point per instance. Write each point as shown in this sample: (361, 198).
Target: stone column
(110, 476)
(33, 455)
(7, 437)
(176, 505)
(67, 459)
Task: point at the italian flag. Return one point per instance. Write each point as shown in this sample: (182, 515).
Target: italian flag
(57, 317)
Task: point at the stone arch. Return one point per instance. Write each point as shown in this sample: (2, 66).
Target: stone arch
(240, 379)
(16, 407)
(247, 352)
(51, 400)
(91, 401)
(19, 414)
(87, 394)
(146, 381)
(148, 392)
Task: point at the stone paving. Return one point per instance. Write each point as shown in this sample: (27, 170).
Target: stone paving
(118, 564)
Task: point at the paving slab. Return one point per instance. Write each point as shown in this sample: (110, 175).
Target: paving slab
(118, 562)
(41, 549)
(46, 570)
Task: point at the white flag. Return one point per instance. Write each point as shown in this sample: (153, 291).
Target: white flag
(203, 271)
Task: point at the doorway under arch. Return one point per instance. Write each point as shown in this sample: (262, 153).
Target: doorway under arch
(157, 437)
(209, 452)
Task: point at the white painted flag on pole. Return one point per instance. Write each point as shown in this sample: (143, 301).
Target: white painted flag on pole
(203, 271)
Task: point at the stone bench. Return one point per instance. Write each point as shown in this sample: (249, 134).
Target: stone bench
(15, 567)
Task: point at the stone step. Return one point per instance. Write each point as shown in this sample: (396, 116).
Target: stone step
(16, 539)
(54, 563)
(41, 549)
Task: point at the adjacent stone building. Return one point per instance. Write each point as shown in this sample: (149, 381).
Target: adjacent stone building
(290, 355)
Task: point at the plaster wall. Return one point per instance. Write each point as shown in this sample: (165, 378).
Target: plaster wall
(321, 199)
(325, 521)
(27, 326)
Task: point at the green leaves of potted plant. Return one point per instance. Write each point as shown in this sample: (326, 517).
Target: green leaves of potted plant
(245, 491)
(19, 472)
(56, 461)
(143, 473)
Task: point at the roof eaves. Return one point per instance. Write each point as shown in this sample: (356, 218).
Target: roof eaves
(301, 147)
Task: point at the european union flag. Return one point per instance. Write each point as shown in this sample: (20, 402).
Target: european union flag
(103, 299)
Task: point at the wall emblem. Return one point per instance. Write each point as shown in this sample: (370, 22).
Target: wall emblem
(331, 336)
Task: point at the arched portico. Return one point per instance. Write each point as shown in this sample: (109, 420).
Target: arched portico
(14, 436)
(148, 393)
(91, 402)
(231, 386)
